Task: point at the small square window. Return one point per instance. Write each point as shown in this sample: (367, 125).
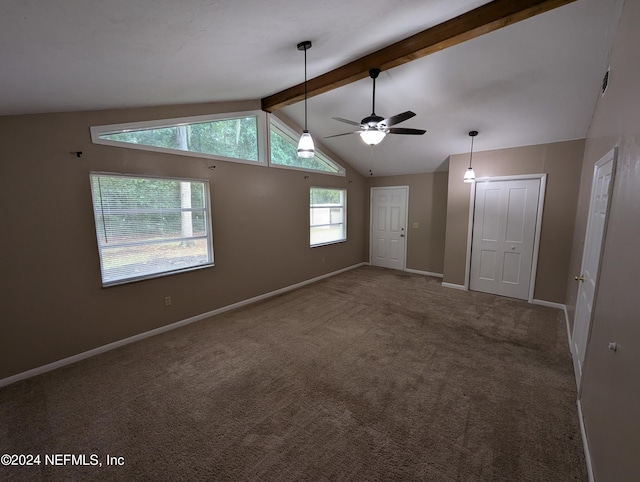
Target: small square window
(328, 216)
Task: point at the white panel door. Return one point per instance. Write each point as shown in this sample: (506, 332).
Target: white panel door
(598, 208)
(388, 227)
(504, 236)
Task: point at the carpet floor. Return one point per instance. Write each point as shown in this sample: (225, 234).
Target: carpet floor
(369, 375)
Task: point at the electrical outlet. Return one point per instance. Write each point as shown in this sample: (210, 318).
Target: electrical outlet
(167, 301)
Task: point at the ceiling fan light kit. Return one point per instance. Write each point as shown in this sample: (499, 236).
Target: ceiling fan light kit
(372, 137)
(306, 149)
(469, 175)
(374, 128)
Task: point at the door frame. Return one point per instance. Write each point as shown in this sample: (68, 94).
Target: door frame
(612, 156)
(536, 241)
(406, 221)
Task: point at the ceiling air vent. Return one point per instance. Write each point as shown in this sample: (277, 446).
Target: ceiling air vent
(605, 81)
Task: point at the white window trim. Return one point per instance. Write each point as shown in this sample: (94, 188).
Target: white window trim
(208, 221)
(345, 218)
(97, 131)
(264, 121)
(294, 136)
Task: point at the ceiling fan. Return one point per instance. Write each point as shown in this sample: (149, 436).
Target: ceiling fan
(374, 128)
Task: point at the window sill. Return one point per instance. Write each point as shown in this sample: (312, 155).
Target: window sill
(156, 275)
(327, 243)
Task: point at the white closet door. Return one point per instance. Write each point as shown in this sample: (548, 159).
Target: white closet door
(504, 231)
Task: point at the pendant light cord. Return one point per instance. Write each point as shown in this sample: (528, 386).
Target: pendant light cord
(471, 154)
(305, 88)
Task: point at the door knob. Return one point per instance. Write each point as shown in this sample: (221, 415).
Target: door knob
(579, 278)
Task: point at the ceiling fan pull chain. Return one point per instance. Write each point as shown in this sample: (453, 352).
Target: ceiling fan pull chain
(371, 158)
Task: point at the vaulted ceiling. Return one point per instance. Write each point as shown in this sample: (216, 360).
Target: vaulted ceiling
(532, 82)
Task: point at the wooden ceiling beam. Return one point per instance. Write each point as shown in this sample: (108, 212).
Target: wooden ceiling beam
(484, 19)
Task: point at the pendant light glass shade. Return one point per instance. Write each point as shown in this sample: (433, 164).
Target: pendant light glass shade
(469, 175)
(306, 149)
(372, 136)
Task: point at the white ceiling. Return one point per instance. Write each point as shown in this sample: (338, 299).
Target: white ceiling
(534, 82)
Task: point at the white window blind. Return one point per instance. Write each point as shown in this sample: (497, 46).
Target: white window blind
(148, 227)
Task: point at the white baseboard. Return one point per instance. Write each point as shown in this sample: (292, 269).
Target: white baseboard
(550, 304)
(141, 336)
(562, 307)
(566, 320)
(424, 273)
(585, 444)
(454, 286)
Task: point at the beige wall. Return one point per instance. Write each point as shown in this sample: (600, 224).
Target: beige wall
(53, 305)
(562, 163)
(428, 208)
(611, 381)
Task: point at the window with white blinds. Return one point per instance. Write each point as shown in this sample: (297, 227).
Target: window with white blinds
(148, 226)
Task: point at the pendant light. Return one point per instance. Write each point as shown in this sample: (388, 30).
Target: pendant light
(305, 146)
(470, 176)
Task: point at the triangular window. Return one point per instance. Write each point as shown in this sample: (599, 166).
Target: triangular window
(284, 152)
(233, 138)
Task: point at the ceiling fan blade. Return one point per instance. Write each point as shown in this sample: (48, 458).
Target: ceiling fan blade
(343, 134)
(406, 130)
(347, 121)
(396, 119)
